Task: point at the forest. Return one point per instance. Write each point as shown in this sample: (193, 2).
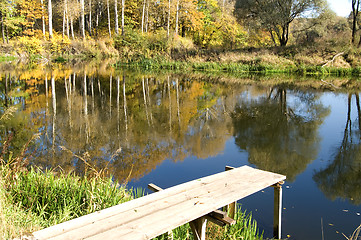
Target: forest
(132, 27)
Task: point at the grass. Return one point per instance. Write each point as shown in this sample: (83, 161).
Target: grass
(236, 68)
(32, 200)
(40, 199)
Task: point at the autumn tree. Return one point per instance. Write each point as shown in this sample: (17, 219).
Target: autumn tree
(31, 12)
(276, 16)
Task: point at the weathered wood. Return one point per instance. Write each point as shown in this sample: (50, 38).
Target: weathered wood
(227, 168)
(218, 214)
(277, 212)
(154, 187)
(154, 214)
(198, 227)
(218, 217)
(231, 209)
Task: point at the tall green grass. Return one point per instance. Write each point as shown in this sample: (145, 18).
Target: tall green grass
(58, 197)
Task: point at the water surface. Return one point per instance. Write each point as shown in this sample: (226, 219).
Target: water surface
(171, 128)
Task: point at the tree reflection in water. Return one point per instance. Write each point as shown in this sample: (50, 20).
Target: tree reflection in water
(279, 134)
(127, 123)
(342, 178)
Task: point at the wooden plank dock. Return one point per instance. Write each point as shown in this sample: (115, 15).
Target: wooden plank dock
(154, 214)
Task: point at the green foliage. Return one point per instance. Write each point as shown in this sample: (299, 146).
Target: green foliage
(14, 220)
(56, 197)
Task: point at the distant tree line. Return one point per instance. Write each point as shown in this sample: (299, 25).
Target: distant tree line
(227, 23)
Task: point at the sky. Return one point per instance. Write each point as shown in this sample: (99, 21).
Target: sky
(341, 7)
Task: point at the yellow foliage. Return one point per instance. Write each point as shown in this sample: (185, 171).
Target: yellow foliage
(59, 44)
(30, 45)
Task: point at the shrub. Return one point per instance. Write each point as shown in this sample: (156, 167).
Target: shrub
(59, 44)
(30, 45)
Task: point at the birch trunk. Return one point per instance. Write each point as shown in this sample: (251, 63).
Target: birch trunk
(147, 17)
(110, 30)
(82, 19)
(168, 22)
(72, 28)
(64, 19)
(67, 18)
(177, 18)
(123, 8)
(90, 17)
(43, 18)
(50, 14)
(143, 14)
(116, 17)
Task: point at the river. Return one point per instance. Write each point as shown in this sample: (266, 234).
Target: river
(169, 128)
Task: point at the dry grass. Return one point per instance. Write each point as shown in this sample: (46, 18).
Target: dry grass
(355, 234)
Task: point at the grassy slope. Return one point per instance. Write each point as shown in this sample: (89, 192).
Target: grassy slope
(32, 200)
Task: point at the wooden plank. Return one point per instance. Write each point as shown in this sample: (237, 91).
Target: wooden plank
(152, 215)
(217, 216)
(198, 227)
(154, 187)
(231, 208)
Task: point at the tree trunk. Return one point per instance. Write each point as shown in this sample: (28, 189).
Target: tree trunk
(7, 34)
(143, 15)
(147, 17)
(116, 17)
(2, 27)
(43, 17)
(355, 11)
(177, 18)
(64, 19)
(82, 19)
(90, 17)
(109, 27)
(97, 19)
(168, 21)
(123, 8)
(67, 20)
(72, 28)
(50, 14)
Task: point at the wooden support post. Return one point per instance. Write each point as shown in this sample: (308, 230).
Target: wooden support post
(198, 227)
(277, 213)
(231, 209)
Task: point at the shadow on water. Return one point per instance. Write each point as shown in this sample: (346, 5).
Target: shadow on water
(280, 134)
(342, 177)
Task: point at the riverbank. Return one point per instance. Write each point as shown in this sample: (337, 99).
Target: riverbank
(157, 52)
(307, 60)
